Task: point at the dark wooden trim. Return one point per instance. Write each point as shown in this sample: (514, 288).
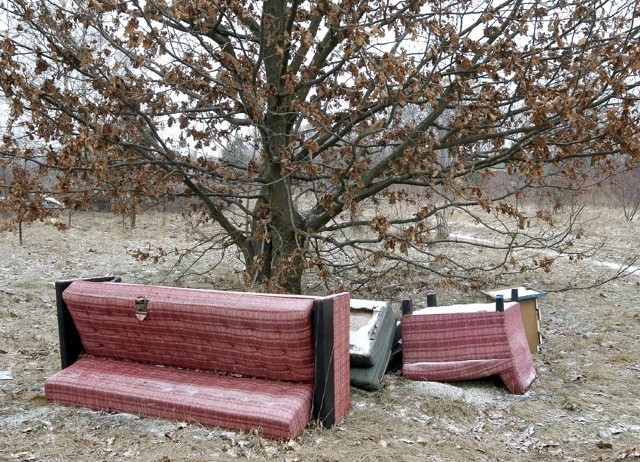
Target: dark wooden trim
(70, 344)
(407, 307)
(324, 391)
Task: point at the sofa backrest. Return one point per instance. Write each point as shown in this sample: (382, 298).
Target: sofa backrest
(471, 332)
(259, 335)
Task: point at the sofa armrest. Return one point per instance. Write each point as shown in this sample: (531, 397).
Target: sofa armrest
(323, 340)
(332, 386)
(70, 344)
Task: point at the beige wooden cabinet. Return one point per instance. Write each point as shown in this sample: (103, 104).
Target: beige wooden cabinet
(530, 309)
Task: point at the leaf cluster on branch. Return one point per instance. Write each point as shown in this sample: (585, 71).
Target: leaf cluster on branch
(326, 135)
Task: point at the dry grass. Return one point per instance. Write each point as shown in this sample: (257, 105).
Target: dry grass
(585, 405)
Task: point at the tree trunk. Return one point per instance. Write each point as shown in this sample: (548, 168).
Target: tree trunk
(286, 266)
(275, 253)
(258, 255)
(284, 221)
(279, 271)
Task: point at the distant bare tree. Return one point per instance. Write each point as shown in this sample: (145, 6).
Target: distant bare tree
(626, 190)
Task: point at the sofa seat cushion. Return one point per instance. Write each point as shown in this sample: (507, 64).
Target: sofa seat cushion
(279, 409)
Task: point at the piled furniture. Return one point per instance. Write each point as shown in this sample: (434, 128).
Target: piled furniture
(463, 342)
(230, 359)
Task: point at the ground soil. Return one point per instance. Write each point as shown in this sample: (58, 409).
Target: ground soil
(585, 405)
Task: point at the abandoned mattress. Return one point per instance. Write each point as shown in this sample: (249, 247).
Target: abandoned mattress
(372, 327)
(370, 378)
(277, 409)
(371, 350)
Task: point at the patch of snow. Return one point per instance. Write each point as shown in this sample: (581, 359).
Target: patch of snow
(524, 293)
(474, 392)
(370, 305)
(359, 339)
(439, 390)
(464, 308)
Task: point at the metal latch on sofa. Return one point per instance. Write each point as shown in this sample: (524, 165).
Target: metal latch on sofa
(141, 308)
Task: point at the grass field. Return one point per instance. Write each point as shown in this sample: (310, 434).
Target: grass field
(585, 405)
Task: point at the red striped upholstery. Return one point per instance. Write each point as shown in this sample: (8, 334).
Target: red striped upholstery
(460, 346)
(279, 409)
(252, 334)
(263, 344)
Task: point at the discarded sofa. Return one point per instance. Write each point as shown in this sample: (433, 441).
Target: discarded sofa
(372, 330)
(463, 342)
(235, 360)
